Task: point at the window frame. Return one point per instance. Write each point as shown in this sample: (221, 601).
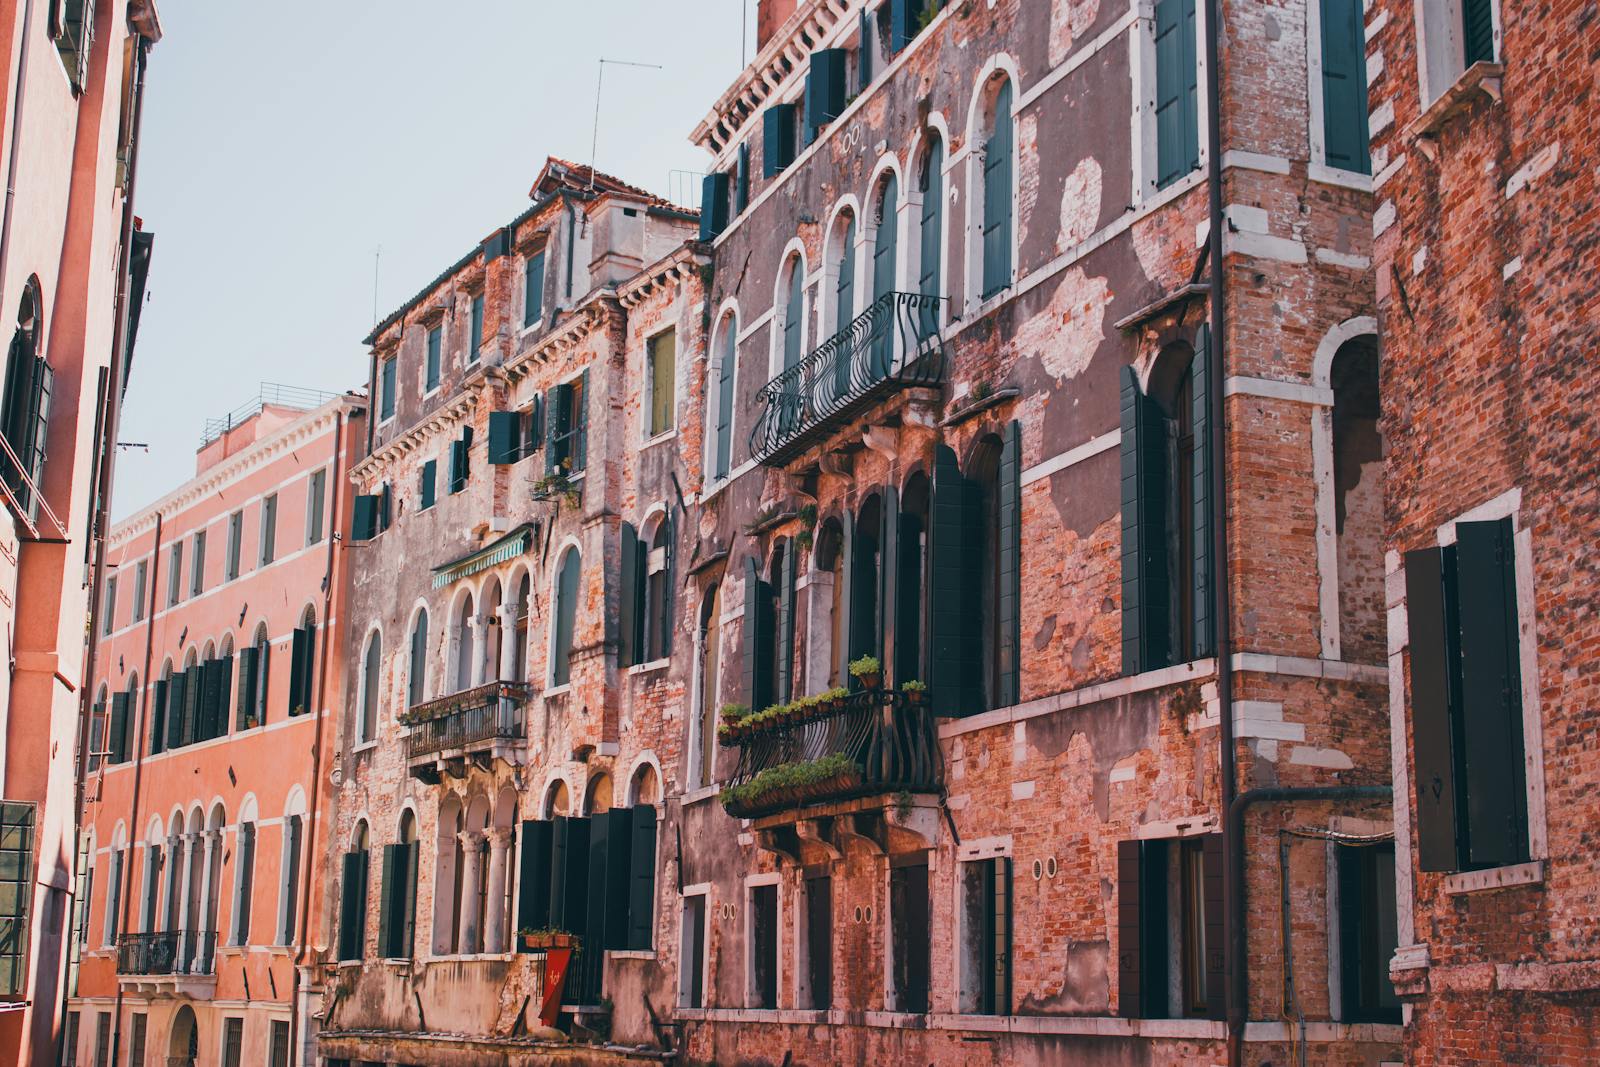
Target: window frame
(197, 564)
(388, 388)
(1318, 167)
(1441, 47)
(476, 311)
(539, 255)
(432, 361)
(316, 506)
(752, 994)
(141, 576)
(1144, 150)
(722, 390)
(652, 430)
(267, 541)
(701, 891)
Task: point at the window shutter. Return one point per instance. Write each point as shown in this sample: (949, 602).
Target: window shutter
(785, 628)
(364, 521)
(1344, 85)
(533, 880)
(504, 437)
(825, 91)
(777, 134)
(713, 206)
(224, 691)
(609, 851)
(1477, 18)
(299, 663)
(193, 684)
(388, 918)
(642, 878)
(558, 404)
(533, 426)
(1008, 490)
(249, 663)
(757, 638)
(352, 921)
(1144, 560)
(1177, 91)
(580, 455)
(1202, 457)
(930, 281)
(864, 37)
(430, 476)
(888, 583)
(1491, 693)
(669, 584)
(533, 290)
(158, 717)
(741, 179)
(1215, 929)
(417, 674)
(408, 900)
(1432, 745)
(997, 164)
(210, 699)
(175, 703)
(569, 874)
(458, 466)
(117, 749)
(904, 18)
(632, 589)
(954, 647)
(1130, 997)
(847, 552)
(246, 876)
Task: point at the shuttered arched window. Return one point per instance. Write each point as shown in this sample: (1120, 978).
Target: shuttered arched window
(885, 254)
(417, 674)
(930, 281)
(794, 314)
(565, 618)
(367, 728)
(728, 349)
(997, 205)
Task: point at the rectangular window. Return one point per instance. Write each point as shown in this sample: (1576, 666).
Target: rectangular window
(761, 990)
(1452, 36)
(110, 610)
(316, 496)
(475, 342)
(663, 381)
(435, 358)
(235, 543)
(141, 575)
(426, 489)
(1177, 112)
(197, 566)
(269, 528)
(244, 875)
(1344, 86)
(533, 289)
(69, 1040)
(1466, 700)
(567, 427)
(353, 905)
(232, 1041)
(910, 932)
(136, 1039)
(388, 383)
(278, 1056)
(289, 891)
(986, 936)
(1169, 923)
(102, 1039)
(778, 129)
(113, 917)
(817, 973)
(16, 893)
(692, 953)
(175, 574)
(1367, 932)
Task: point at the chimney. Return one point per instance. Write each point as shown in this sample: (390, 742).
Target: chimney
(771, 14)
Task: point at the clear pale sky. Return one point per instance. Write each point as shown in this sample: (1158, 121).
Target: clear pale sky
(284, 143)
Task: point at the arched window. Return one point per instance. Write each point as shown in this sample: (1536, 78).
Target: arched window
(417, 667)
(463, 641)
(844, 302)
(910, 631)
(97, 728)
(244, 872)
(647, 591)
(397, 910)
(794, 311)
(866, 557)
(294, 823)
(371, 684)
(160, 702)
(557, 800)
(25, 405)
(449, 861)
(720, 399)
(998, 166)
(353, 896)
(255, 665)
(565, 619)
(703, 726)
(768, 647)
(519, 644)
(1358, 500)
(885, 272)
(600, 798)
(930, 222)
(303, 664)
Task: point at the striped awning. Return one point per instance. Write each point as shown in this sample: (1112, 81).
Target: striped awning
(506, 547)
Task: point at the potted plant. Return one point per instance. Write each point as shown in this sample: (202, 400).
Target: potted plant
(732, 712)
(547, 938)
(868, 671)
(837, 696)
(915, 692)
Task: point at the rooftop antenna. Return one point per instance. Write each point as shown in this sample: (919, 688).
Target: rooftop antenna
(377, 257)
(594, 145)
(744, 35)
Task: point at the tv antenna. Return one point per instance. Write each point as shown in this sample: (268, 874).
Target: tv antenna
(594, 144)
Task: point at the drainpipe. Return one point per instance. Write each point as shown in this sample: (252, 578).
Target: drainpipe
(372, 396)
(572, 239)
(322, 727)
(15, 148)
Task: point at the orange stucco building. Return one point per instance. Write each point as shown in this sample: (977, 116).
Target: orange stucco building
(218, 662)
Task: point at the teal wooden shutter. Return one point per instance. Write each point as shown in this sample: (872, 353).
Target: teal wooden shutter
(580, 417)
(1477, 22)
(952, 593)
(475, 341)
(713, 206)
(505, 435)
(1491, 693)
(434, 357)
(458, 465)
(609, 851)
(930, 228)
(299, 670)
(364, 520)
(668, 584)
(566, 617)
(885, 258)
(533, 880)
(997, 206)
(1145, 622)
(417, 673)
(211, 700)
(533, 289)
(758, 637)
(385, 507)
(725, 382)
(825, 91)
(569, 873)
(741, 179)
(888, 582)
(905, 20)
(1432, 737)
(1130, 996)
(430, 478)
(1177, 91)
(864, 36)
(408, 899)
(224, 692)
(158, 717)
(777, 139)
(118, 746)
(630, 614)
(176, 700)
(794, 317)
(642, 878)
(351, 917)
(388, 907)
(847, 553)
(194, 682)
(249, 663)
(785, 636)
(1344, 85)
(1203, 454)
(386, 410)
(1008, 621)
(558, 406)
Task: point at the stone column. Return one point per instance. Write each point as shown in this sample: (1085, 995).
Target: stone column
(207, 917)
(471, 874)
(494, 938)
(182, 879)
(480, 649)
(508, 641)
(170, 914)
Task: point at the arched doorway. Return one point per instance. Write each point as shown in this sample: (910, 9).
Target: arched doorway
(183, 1050)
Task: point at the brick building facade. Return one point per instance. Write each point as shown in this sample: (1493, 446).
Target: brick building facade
(1484, 235)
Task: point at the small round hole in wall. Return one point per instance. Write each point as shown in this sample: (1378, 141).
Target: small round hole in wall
(869, 913)
(858, 913)
(1038, 870)
(1050, 867)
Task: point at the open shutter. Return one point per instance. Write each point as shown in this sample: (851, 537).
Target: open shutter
(1177, 91)
(1008, 490)
(783, 640)
(642, 878)
(533, 881)
(777, 139)
(176, 700)
(758, 637)
(825, 90)
(847, 555)
(953, 657)
(458, 466)
(888, 582)
(351, 920)
(632, 587)
(158, 717)
(1491, 694)
(669, 584)
(929, 278)
(1432, 745)
(430, 477)
(224, 691)
(1477, 21)
(388, 926)
(194, 683)
(997, 166)
(385, 507)
(1344, 85)
(580, 419)
(1145, 623)
(558, 405)
(741, 180)
(1130, 997)
(249, 662)
(407, 927)
(116, 745)
(905, 17)
(864, 38)
(505, 433)
(299, 661)
(610, 833)
(364, 520)
(713, 206)
(1202, 457)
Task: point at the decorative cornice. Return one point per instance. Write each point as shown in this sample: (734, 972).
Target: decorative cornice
(445, 417)
(216, 478)
(681, 266)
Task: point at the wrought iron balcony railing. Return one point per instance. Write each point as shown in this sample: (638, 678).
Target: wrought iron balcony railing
(867, 744)
(488, 713)
(170, 952)
(894, 344)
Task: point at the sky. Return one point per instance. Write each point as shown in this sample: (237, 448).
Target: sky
(285, 144)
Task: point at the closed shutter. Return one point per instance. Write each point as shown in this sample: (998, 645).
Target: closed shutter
(158, 717)
(1344, 85)
(819, 940)
(193, 687)
(566, 618)
(888, 583)
(909, 908)
(631, 614)
(418, 664)
(1477, 19)
(533, 290)
(905, 19)
(777, 139)
(533, 426)
(533, 879)
(1432, 744)
(864, 39)
(758, 637)
(669, 584)
(741, 180)
(557, 426)
(1145, 622)
(408, 899)
(364, 520)
(458, 466)
(388, 918)
(430, 476)
(570, 910)
(299, 671)
(353, 905)
(580, 418)
(1130, 996)
(642, 879)
(224, 691)
(246, 868)
(847, 555)
(930, 228)
(293, 828)
(610, 834)
(713, 206)
(1177, 95)
(784, 638)
(249, 663)
(953, 637)
(1008, 639)
(825, 91)
(116, 746)
(175, 702)
(885, 263)
(1202, 456)
(994, 930)
(210, 699)
(1491, 694)
(504, 437)
(1216, 937)
(997, 167)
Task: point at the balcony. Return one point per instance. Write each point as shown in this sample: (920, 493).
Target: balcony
(868, 765)
(476, 725)
(172, 961)
(893, 345)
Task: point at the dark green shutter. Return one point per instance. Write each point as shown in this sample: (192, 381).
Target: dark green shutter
(630, 616)
(825, 91)
(1008, 595)
(224, 692)
(158, 717)
(1216, 937)
(117, 747)
(385, 507)
(885, 257)
(1177, 95)
(407, 925)
(458, 466)
(1130, 996)
(864, 37)
(608, 889)
(418, 666)
(955, 648)
(930, 280)
(210, 699)
(888, 582)
(533, 880)
(388, 910)
(785, 628)
(1202, 457)
(533, 290)
(741, 180)
(642, 879)
(193, 683)
(1344, 85)
(533, 426)
(580, 418)
(847, 551)
(352, 917)
(777, 139)
(1477, 21)
(670, 583)
(758, 637)
(558, 419)
(249, 660)
(998, 162)
(1491, 694)
(430, 476)
(1432, 743)
(569, 874)
(1145, 623)
(299, 663)
(176, 700)
(504, 437)
(713, 206)
(905, 19)
(364, 521)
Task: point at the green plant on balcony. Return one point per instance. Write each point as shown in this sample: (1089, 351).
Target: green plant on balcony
(558, 483)
(546, 937)
(915, 692)
(792, 783)
(868, 670)
(731, 712)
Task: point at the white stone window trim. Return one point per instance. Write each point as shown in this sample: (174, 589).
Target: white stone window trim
(727, 315)
(1317, 168)
(1142, 125)
(1441, 49)
(651, 667)
(702, 890)
(1000, 66)
(751, 883)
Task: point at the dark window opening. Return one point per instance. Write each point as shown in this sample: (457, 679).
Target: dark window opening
(691, 965)
(763, 991)
(818, 994)
(986, 936)
(1169, 928)
(1367, 933)
(911, 932)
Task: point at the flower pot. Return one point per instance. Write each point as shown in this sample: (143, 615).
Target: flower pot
(557, 939)
(870, 681)
(916, 697)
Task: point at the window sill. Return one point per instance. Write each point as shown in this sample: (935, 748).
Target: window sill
(364, 746)
(653, 665)
(1482, 76)
(631, 953)
(698, 796)
(1530, 873)
(661, 438)
(1345, 179)
(431, 393)
(557, 691)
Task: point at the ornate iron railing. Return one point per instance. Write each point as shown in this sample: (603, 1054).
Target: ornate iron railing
(174, 952)
(894, 344)
(491, 712)
(888, 743)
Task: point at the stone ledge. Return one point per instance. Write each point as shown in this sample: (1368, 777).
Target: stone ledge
(1531, 873)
